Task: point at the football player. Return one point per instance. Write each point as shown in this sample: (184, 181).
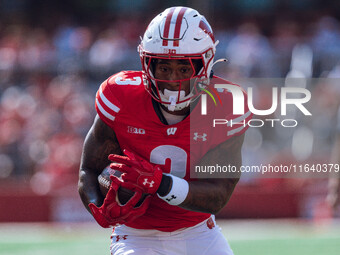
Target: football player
(149, 126)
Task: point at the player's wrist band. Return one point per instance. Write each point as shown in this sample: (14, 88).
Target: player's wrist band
(178, 191)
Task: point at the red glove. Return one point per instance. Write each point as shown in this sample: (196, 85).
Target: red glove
(138, 171)
(111, 213)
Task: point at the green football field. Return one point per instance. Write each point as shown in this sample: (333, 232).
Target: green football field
(263, 237)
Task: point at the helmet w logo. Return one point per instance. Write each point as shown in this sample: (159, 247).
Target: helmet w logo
(204, 25)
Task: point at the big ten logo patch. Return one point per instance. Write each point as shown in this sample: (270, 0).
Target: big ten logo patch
(134, 130)
(169, 51)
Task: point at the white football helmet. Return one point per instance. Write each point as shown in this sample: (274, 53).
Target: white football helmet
(177, 33)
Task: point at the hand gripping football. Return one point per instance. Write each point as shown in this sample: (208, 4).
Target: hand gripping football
(138, 171)
(124, 194)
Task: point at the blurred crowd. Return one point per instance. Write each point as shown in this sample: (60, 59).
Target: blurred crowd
(48, 80)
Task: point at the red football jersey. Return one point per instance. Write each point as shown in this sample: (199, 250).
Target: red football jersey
(124, 105)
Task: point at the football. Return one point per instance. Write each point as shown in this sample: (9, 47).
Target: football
(124, 194)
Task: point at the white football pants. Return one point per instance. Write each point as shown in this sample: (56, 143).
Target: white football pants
(203, 239)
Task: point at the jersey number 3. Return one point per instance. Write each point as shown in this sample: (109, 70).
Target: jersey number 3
(177, 156)
(127, 81)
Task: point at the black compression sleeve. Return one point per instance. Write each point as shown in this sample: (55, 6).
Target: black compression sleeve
(165, 186)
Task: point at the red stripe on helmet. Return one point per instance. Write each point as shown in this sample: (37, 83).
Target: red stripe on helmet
(167, 26)
(178, 25)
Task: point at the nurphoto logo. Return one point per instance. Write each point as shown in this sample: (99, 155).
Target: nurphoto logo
(303, 94)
